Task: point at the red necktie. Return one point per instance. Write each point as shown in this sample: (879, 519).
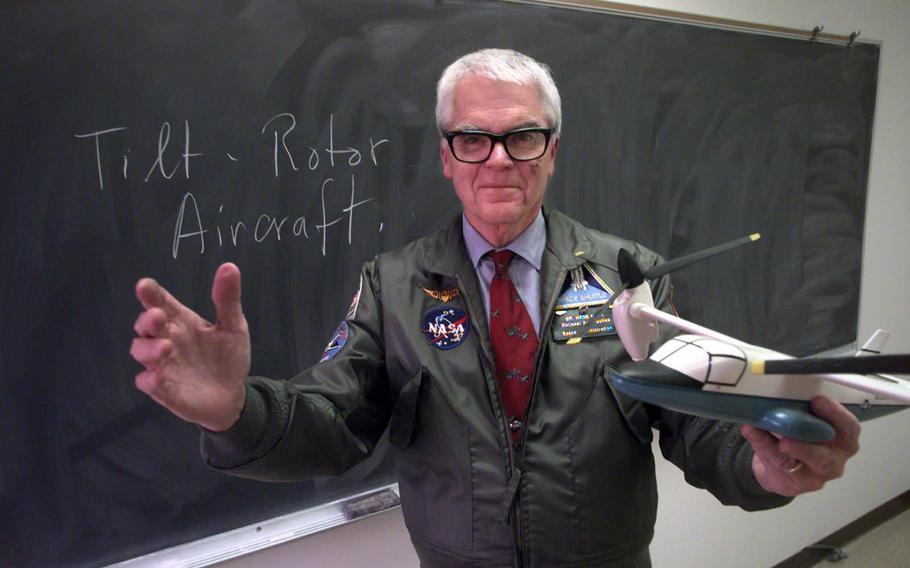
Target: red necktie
(514, 343)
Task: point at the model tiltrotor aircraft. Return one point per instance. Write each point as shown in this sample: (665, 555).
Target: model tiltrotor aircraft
(709, 374)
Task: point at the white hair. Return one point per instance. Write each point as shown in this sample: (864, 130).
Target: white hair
(500, 65)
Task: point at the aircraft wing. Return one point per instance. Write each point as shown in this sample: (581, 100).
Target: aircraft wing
(886, 386)
(880, 385)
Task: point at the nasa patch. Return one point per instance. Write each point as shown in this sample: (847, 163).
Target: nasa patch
(445, 327)
(339, 338)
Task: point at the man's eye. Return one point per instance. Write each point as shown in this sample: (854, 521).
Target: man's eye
(472, 140)
(522, 137)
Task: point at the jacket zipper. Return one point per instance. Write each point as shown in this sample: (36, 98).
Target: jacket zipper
(497, 401)
(544, 340)
(514, 469)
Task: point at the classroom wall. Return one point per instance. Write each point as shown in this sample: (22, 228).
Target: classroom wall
(692, 528)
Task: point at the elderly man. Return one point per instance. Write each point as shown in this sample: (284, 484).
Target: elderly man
(512, 448)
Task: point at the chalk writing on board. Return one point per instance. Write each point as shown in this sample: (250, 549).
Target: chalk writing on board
(97, 136)
(190, 225)
(164, 137)
(354, 155)
(284, 136)
(193, 228)
(280, 147)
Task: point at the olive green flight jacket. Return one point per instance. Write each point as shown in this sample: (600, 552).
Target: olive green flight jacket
(580, 491)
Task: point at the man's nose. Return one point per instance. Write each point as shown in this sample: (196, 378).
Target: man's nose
(499, 156)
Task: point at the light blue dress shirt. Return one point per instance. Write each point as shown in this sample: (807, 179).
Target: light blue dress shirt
(524, 270)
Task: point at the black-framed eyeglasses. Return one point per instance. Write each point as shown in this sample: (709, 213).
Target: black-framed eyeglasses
(475, 146)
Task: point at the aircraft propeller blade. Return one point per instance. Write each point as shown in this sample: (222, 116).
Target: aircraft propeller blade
(677, 263)
(815, 365)
(631, 273)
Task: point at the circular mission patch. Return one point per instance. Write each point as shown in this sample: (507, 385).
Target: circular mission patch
(445, 327)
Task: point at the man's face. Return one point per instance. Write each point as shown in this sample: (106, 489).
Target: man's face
(500, 196)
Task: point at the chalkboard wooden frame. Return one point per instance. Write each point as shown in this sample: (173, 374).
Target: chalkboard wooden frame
(87, 209)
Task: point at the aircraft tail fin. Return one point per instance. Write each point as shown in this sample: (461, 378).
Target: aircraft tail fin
(875, 343)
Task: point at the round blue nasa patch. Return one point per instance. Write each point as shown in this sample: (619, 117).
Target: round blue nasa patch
(445, 327)
(339, 338)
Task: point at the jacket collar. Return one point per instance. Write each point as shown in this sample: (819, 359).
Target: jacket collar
(568, 241)
(446, 253)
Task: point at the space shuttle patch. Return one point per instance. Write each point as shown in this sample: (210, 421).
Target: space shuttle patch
(581, 310)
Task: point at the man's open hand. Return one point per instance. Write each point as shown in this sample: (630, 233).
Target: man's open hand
(193, 368)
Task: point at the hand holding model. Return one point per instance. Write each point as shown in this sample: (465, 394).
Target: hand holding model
(790, 467)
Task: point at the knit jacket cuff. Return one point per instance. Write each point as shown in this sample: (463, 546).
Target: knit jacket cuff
(752, 496)
(250, 437)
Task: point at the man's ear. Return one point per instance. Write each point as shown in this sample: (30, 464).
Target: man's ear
(554, 147)
(445, 158)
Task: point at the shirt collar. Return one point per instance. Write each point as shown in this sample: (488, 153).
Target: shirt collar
(529, 244)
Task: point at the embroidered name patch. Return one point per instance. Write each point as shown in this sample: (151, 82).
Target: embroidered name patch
(446, 327)
(339, 338)
(580, 323)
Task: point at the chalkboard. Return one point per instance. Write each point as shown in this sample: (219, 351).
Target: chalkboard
(296, 139)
